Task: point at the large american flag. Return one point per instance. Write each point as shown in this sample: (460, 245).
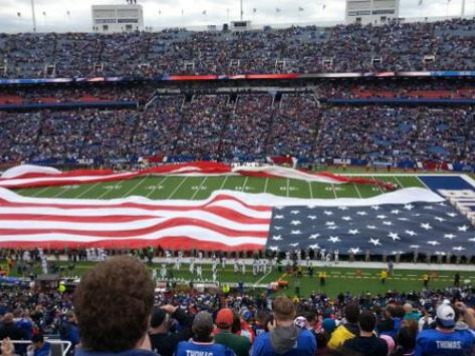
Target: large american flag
(401, 221)
(429, 228)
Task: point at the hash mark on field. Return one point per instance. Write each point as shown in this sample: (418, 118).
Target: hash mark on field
(135, 186)
(87, 190)
(199, 188)
(177, 187)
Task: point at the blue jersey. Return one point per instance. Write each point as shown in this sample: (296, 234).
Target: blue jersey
(306, 345)
(191, 348)
(436, 343)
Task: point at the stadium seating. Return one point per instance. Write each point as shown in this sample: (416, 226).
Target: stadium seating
(442, 45)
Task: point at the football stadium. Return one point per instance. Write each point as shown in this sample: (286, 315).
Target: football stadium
(232, 178)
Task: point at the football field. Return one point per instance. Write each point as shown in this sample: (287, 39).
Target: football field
(198, 188)
(355, 280)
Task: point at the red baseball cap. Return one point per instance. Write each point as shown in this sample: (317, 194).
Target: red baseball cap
(225, 317)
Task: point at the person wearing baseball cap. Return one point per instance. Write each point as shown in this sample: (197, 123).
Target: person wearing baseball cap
(202, 342)
(445, 339)
(224, 321)
(163, 341)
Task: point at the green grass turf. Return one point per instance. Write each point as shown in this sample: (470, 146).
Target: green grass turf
(339, 279)
(197, 188)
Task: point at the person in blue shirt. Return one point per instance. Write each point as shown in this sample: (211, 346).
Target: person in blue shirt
(284, 338)
(39, 347)
(445, 340)
(202, 342)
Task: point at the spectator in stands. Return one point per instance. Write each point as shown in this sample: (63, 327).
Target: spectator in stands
(9, 329)
(69, 330)
(348, 330)
(39, 346)
(239, 344)
(366, 343)
(164, 342)
(445, 339)
(284, 338)
(202, 342)
(113, 304)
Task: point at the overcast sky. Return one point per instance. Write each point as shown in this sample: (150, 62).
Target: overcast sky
(75, 15)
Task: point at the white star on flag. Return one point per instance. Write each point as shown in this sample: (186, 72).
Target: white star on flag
(296, 222)
(354, 232)
(394, 236)
(426, 226)
(410, 233)
(375, 242)
(334, 239)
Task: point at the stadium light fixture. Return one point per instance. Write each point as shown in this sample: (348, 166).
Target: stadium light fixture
(33, 15)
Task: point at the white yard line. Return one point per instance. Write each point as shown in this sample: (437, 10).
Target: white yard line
(199, 188)
(425, 185)
(61, 192)
(311, 190)
(244, 184)
(262, 278)
(266, 184)
(162, 180)
(177, 187)
(87, 190)
(380, 189)
(107, 191)
(358, 191)
(135, 186)
(468, 179)
(334, 191)
(224, 183)
(398, 182)
(40, 191)
(288, 187)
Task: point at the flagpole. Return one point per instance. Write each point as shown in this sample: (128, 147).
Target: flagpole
(241, 10)
(33, 14)
(463, 8)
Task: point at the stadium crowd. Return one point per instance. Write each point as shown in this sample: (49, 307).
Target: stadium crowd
(395, 46)
(250, 128)
(115, 308)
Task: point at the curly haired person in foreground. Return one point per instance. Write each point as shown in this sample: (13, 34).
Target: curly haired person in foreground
(113, 303)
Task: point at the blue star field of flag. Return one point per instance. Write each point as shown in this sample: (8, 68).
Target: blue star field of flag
(434, 228)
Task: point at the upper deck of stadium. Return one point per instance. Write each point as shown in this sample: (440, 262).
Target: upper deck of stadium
(430, 46)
